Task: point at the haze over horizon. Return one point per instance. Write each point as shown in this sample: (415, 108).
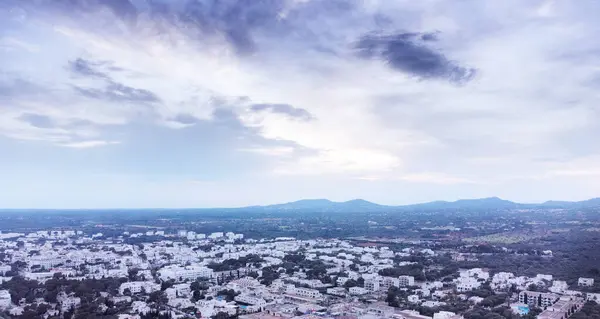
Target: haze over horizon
(188, 103)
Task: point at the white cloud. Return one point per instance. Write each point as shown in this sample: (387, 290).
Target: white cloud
(534, 93)
(88, 144)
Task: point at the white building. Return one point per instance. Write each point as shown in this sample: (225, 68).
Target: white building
(464, 284)
(357, 291)
(559, 286)
(341, 280)
(409, 314)
(4, 269)
(413, 298)
(216, 235)
(372, 284)
(543, 277)
(387, 282)
(67, 302)
(592, 297)
(475, 273)
(302, 292)
(251, 300)
(588, 282)
(178, 273)
(337, 291)
(4, 299)
(405, 281)
(444, 315)
(537, 299)
(139, 286)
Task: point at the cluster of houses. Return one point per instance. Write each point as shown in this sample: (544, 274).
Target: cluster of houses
(178, 260)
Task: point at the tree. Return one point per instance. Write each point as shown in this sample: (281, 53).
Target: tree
(350, 283)
(132, 274)
(533, 287)
(196, 295)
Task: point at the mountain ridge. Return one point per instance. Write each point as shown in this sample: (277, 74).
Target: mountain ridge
(361, 205)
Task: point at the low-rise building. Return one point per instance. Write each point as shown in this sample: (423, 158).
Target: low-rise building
(587, 282)
(303, 292)
(358, 291)
(563, 308)
(5, 300)
(135, 287)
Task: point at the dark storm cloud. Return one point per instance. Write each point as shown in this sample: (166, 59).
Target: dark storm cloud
(286, 109)
(118, 92)
(408, 53)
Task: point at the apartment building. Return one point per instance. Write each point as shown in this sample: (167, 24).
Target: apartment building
(372, 284)
(405, 281)
(537, 299)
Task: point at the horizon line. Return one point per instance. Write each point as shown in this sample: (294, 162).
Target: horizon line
(291, 202)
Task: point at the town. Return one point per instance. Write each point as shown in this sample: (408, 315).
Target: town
(184, 274)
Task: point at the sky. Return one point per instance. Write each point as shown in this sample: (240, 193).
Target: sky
(207, 103)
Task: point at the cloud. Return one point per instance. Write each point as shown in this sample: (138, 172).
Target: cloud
(409, 53)
(300, 88)
(9, 43)
(37, 120)
(118, 92)
(270, 151)
(88, 144)
(87, 68)
(235, 20)
(286, 109)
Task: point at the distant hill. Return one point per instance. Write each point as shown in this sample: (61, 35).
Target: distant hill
(483, 203)
(361, 205)
(324, 205)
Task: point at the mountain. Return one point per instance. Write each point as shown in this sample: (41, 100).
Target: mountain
(594, 202)
(482, 203)
(361, 205)
(324, 205)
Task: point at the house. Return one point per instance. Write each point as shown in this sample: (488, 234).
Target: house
(4, 299)
(342, 280)
(559, 286)
(68, 302)
(302, 292)
(413, 298)
(587, 282)
(445, 315)
(380, 309)
(337, 291)
(464, 284)
(409, 314)
(476, 273)
(357, 291)
(135, 287)
(592, 297)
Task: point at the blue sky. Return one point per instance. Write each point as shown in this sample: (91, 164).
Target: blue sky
(190, 103)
